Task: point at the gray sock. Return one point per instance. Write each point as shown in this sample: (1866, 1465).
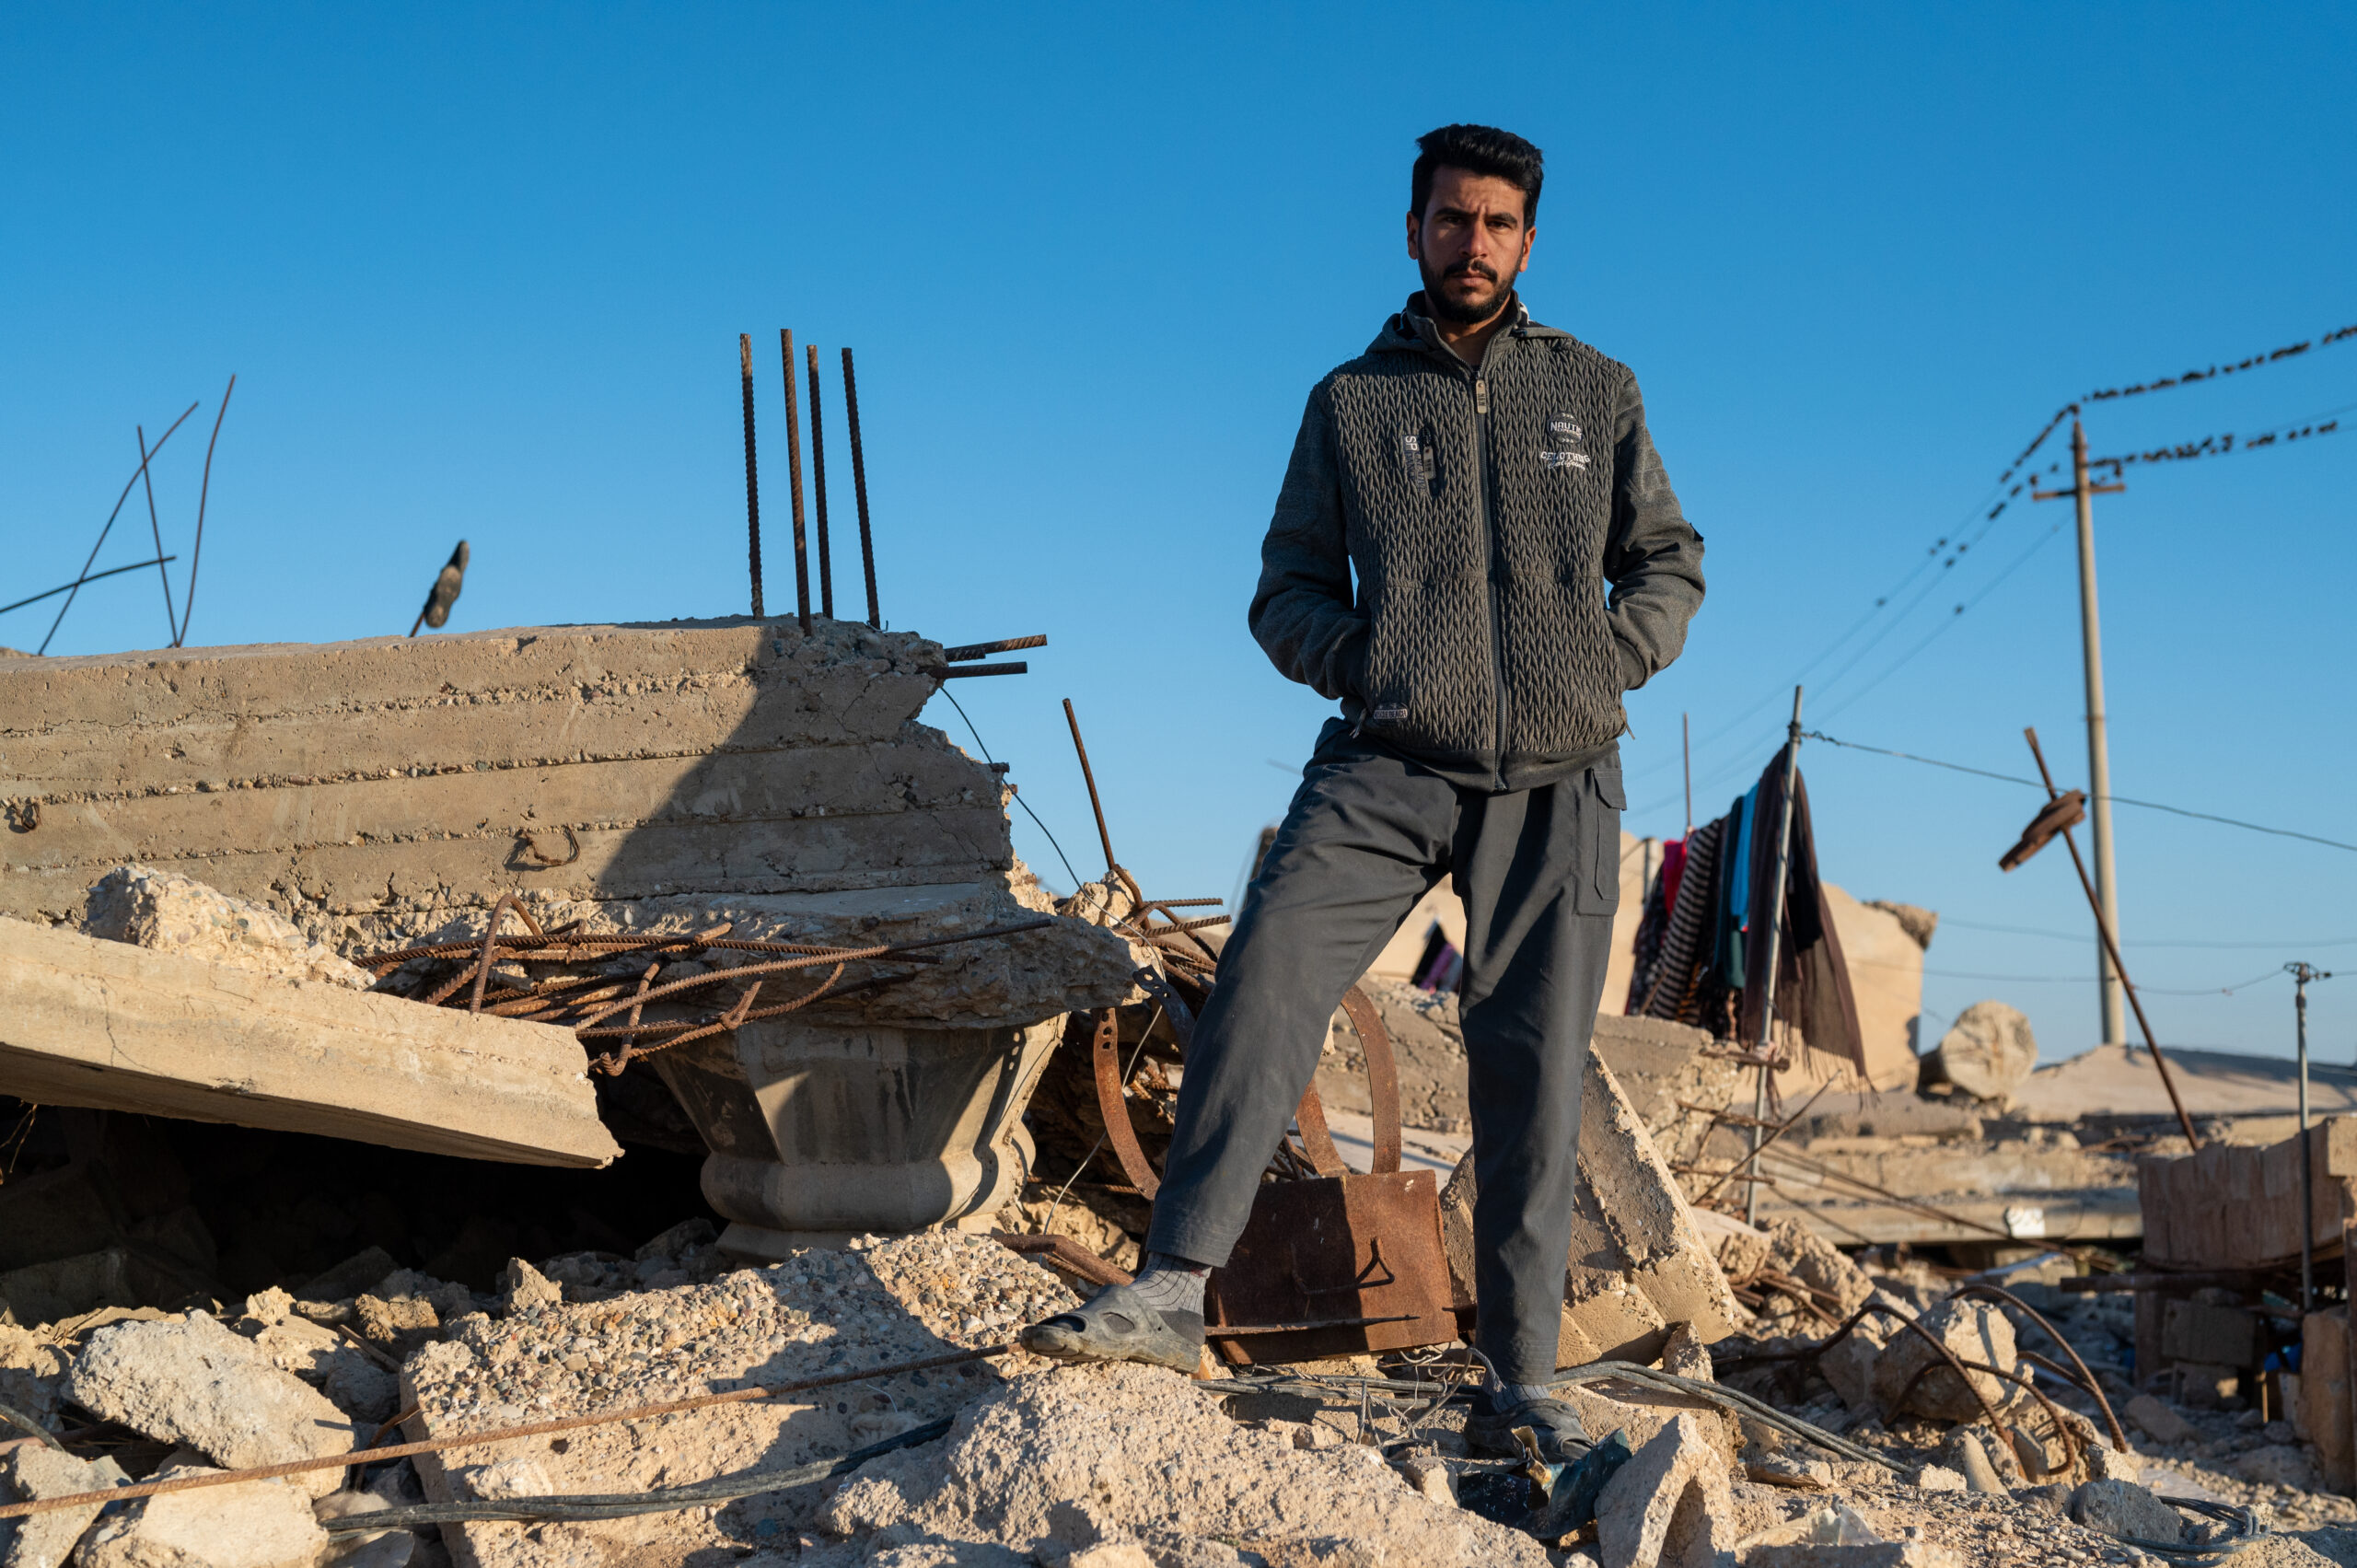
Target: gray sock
(1168, 1283)
(1505, 1395)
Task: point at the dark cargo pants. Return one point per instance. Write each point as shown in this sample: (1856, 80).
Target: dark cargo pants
(1367, 836)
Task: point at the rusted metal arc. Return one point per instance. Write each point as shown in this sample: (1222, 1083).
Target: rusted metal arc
(1383, 1078)
(1755, 1152)
(747, 972)
(615, 1064)
(1310, 1117)
(1106, 1058)
(491, 943)
(2087, 1378)
(2111, 947)
(2069, 1436)
(497, 1435)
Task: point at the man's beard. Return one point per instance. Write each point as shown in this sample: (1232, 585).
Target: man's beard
(1455, 314)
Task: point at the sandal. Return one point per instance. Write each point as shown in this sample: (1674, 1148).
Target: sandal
(1114, 1325)
(1562, 1440)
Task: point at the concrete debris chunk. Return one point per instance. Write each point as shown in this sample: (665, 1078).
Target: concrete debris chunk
(31, 1368)
(192, 1381)
(2125, 1510)
(1849, 1366)
(1669, 1506)
(522, 1288)
(1157, 1464)
(1987, 1053)
(1800, 1253)
(1964, 1453)
(263, 1524)
(1939, 1478)
(172, 913)
(35, 1471)
(2278, 1464)
(2158, 1421)
(356, 1273)
(1977, 1333)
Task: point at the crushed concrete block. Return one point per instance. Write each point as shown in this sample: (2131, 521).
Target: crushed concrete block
(1685, 1356)
(1974, 1332)
(2125, 1510)
(523, 1287)
(1988, 1053)
(2107, 1463)
(192, 1381)
(360, 1389)
(1795, 1249)
(2156, 1421)
(1792, 1471)
(1669, 1506)
(67, 1287)
(1939, 1478)
(36, 1471)
(1430, 1478)
(262, 1524)
(172, 913)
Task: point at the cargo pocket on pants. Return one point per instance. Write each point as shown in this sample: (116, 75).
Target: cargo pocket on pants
(1602, 799)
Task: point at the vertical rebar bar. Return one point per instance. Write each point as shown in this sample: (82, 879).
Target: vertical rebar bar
(1088, 777)
(794, 478)
(752, 475)
(203, 494)
(171, 616)
(1767, 981)
(819, 489)
(859, 489)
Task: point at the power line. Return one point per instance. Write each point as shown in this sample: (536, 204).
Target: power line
(1963, 925)
(1019, 794)
(2275, 973)
(2115, 799)
(2222, 445)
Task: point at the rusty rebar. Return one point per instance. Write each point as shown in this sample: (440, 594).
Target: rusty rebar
(204, 493)
(1760, 1147)
(1089, 777)
(794, 478)
(752, 470)
(2118, 967)
(2086, 1380)
(819, 489)
(136, 474)
(859, 490)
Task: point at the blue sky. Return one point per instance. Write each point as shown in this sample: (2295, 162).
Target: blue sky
(480, 272)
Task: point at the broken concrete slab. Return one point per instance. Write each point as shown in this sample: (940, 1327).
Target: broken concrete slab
(170, 913)
(263, 1524)
(194, 1382)
(1638, 1262)
(103, 1024)
(1669, 1506)
(2123, 1509)
(34, 1472)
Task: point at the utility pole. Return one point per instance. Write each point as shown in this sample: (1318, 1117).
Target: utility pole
(2115, 1016)
(2301, 974)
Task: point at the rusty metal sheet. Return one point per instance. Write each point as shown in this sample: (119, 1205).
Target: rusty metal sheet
(1351, 1247)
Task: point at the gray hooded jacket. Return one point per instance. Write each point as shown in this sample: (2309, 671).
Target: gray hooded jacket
(1484, 510)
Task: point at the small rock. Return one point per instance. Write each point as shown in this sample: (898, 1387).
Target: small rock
(360, 1388)
(2125, 1510)
(1430, 1478)
(194, 1382)
(1683, 1355)
(2159, 1422)
(1849, 1365)
(1110, 1554)
(1939, 1478)
(1668, 1505)
(2107, 1463)
(1790, 1471)
(1971, 1460)
(36, 1471)
(270, 1307)
(1987, 1054)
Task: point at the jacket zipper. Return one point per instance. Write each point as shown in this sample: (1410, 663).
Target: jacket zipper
(1497, 610)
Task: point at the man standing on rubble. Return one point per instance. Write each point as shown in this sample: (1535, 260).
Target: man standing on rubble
(1488, 478)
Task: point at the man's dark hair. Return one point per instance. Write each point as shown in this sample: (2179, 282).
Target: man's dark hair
(1477, 149)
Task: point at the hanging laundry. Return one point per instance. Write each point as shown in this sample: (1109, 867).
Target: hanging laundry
(1653, 926)
(1811, 981)
(1664, 986)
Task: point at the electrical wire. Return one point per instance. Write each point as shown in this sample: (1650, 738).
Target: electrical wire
(1076, 879)
(2115, 799)
(2079, 936)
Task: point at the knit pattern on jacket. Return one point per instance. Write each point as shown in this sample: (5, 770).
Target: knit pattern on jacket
(1483, 513)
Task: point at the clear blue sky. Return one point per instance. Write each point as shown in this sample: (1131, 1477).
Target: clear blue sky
(481, 269)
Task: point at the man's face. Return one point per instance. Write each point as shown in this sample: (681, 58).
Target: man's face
(1471, 242)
